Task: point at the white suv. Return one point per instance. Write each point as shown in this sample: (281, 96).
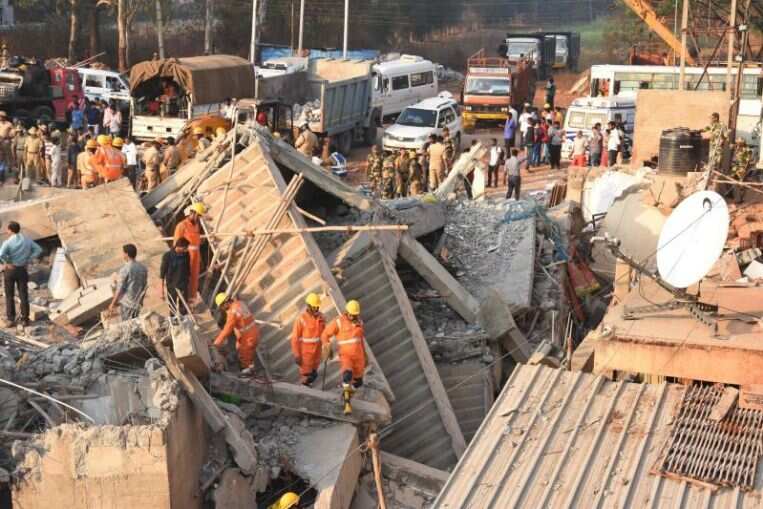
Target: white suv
(416, 123)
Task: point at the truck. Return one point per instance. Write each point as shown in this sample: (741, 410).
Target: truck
(167, 94)
(29, 91)
(493, 85)
(547, 50)
(334, 97)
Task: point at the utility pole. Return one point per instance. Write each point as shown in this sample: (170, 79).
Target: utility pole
(253, 43)
(208, 22)
(732, 39)
(160, 28)
(346, 26)
(291, 27)
(301, 26)
(684, 29)
(737, 92)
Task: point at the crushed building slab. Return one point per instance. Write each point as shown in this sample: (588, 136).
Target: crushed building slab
(94, 227)
(291, 265)
(367, 272)
(470, 388)
(557, 438)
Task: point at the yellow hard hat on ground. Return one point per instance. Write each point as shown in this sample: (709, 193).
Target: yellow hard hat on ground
(102, 139)
(199, 208)
(353, 308)
(287, 501)
(220, 298)
(118, 142)
(91, 144)
(313, 300)
(198, 130)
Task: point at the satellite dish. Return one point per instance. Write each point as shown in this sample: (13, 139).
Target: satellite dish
(692, 239)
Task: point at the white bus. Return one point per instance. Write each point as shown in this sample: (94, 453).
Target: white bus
(401, 83)
(626, 80)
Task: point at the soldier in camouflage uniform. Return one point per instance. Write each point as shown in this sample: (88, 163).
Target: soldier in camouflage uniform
(740, 166)
(374, 169)
(415, 175)
(387, 190)
(401, 174)
(718, 135)
(450, 149)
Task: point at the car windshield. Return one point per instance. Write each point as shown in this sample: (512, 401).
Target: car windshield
(516, 49)
(415, 117)
(488, 86)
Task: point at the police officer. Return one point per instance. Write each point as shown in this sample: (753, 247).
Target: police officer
(401, 174)
(415, 175)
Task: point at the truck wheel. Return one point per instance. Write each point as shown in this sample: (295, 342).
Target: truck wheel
(43, 113)
(369, 135)
(344, 143)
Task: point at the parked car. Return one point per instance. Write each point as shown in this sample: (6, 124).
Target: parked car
(104, 85)
(416, 123)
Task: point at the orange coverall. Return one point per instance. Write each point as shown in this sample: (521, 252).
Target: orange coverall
(350, 339)
(192, 233)
(241, 321)
(110, 163)
(306, 344)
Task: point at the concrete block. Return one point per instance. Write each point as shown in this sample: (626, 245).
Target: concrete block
(234, 491)
(498, 322)
(84, 304)
(191, 348)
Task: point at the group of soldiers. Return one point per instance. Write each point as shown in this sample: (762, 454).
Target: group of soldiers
(410, 172)
(36, 152)
(741, 157)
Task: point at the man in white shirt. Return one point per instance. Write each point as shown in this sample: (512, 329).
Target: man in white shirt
(524, 123)
(496, 157)
(131, 155)
(613, 144)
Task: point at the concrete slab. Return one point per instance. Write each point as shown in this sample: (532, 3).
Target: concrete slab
(191, 348)
(470, 388)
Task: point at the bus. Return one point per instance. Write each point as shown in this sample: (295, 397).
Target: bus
(627, 80)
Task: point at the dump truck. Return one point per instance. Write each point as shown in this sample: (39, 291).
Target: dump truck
(169, 93)
(29, 91)
(333, 96)
(547, 50)
(493, 85)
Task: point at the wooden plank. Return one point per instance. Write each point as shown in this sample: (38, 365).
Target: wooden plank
(299, 399)
(441, 399)
(440, 279)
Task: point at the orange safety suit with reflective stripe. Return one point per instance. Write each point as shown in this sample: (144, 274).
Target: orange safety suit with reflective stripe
(241, 321)
(306, 341)
(192, 233)
(109, 163)
(350, 340)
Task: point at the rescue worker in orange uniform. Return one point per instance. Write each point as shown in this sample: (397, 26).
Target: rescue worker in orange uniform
(108, 160)
(240, 320)
(351, 344)
(190, 229)
(306, 339)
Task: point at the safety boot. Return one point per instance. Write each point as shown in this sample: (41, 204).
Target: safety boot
(347, 396)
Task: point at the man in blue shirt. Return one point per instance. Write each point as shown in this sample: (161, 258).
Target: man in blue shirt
(15, 254)
(509, 128)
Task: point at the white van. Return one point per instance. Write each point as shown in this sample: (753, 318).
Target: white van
(416, 123)
(586, 112)
(401, 83)
(104, 85)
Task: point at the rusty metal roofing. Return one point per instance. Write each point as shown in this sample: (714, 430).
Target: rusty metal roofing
(559, 439)
(290, 267)
(425, 428)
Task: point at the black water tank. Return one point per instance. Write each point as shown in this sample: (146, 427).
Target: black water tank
(680, 150)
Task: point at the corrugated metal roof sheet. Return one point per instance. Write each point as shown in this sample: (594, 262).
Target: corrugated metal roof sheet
(470, 389)
(563, 439)
(426, 429)
(290, 267)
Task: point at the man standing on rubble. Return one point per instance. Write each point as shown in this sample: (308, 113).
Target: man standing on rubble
(18, 148)
(33, 162)
(109, 160)
(306, 339)
(513, 167)
(437, 163)
(718, 134)
(190, 229)
(351, 344)
(151, 160)
(175, 272)
(306, 142)
(132, 282)
(15, 254)
(171, 159)
(238, 320)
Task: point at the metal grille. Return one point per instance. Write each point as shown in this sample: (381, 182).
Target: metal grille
(716, 453)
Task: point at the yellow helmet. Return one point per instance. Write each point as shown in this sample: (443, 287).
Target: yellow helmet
(91, 144)
(198, 130)
(102, 139)
(220, 298)
(199, 208)
(313, 300)
(118, 142)
(220, 131)
(288, 500)
(353, 308)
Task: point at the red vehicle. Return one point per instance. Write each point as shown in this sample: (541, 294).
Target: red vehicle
(29, 91)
